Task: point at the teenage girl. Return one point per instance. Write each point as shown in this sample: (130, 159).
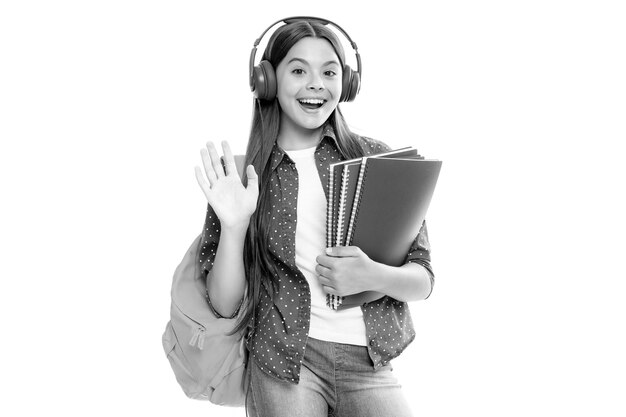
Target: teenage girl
(264, 252)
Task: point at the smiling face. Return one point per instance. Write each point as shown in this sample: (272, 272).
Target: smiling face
(309, 86)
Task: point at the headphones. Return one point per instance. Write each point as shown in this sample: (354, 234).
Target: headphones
(263, 77)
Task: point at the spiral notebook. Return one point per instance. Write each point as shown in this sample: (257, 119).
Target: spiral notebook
(342, 180)
(387, 202)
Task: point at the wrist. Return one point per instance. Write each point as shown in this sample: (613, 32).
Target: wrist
(377, 272)
(235, 230)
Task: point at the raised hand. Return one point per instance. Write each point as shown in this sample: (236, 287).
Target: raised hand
(232, 202)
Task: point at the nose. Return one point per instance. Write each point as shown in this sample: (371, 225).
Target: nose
(315, 83)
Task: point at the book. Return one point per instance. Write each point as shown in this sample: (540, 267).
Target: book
(335, 183)
(342, 183)
(389, 202)
(404, 152)
(388, 213)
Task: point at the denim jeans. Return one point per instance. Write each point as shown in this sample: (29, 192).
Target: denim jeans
(336, 380)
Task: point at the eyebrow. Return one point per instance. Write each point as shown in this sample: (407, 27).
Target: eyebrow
(304, 61)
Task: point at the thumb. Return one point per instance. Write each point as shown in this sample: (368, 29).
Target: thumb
(253, 179)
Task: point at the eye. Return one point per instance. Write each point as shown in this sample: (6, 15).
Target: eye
(330, 73)
(297, 71)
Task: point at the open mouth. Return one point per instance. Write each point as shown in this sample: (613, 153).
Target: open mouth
(311, 103)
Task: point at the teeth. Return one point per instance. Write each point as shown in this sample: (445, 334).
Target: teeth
(311, 101)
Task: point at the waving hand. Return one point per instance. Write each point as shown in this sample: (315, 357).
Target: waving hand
(233, 203)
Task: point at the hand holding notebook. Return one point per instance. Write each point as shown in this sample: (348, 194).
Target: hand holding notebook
(347, 270)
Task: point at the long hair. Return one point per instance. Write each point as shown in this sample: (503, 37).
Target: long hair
(261, 273)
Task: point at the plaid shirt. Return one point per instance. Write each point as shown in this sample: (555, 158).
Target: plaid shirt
(281, 326)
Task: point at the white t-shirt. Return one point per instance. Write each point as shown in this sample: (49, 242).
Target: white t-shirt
(342, 326)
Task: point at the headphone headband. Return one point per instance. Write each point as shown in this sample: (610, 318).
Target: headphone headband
(293, 19)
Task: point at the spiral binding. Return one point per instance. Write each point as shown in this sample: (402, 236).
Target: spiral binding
(357, 202)
(331, 300)
(329, 210)
(342, 207)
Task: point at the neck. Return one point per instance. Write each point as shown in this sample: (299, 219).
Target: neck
(293, 138)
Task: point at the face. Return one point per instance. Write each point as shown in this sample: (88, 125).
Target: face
(309, 84)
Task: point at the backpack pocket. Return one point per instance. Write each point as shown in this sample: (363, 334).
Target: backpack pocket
(181, 366)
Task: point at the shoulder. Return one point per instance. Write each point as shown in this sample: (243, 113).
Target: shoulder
(372, 146)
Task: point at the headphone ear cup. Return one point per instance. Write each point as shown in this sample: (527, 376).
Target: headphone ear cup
(264, 81)
(351, 83)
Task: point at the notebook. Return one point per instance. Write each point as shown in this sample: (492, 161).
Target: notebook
(390, 206)
(338, 179)
(388, 202)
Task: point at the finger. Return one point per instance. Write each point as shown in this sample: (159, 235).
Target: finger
(204, 185)
(325, 281)
(343, 251)
(208, 166)
(229, 159)
(215, 160)
(323, 271)
(253, 179)
(325, 260)
(329, 290)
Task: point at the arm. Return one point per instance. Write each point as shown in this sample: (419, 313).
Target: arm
(347, 270)
(409, 282)
(233, 205)
(226, 279)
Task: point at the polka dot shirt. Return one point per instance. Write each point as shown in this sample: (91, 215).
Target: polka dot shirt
(279, 340)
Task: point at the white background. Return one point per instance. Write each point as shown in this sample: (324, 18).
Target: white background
(105, 105)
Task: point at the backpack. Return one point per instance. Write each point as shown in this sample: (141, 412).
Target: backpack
(209, 364)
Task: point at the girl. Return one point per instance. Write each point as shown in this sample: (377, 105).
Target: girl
(264, 251)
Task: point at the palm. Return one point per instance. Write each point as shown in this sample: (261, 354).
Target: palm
(232, 202)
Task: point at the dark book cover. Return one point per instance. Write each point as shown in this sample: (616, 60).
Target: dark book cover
(394, 198)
